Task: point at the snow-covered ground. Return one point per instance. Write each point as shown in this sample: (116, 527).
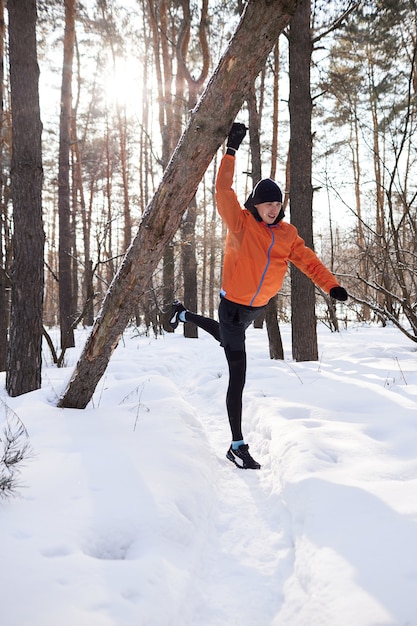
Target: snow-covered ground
(130, 514)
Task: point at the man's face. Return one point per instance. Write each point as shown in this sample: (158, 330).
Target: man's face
(269, 211)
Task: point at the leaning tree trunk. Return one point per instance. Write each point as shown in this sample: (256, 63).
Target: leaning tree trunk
(304, 330)
(209, 124)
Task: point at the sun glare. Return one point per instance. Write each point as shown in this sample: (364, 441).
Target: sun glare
(123, 84)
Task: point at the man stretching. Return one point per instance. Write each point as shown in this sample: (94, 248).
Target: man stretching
(259, 245)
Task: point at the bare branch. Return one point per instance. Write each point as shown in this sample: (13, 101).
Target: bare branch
(336, 24)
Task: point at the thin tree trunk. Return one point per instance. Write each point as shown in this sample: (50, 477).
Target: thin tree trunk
(254, 131)
(66, 296)
(170, 126)
(88, 289)
(304, 329)
(122, 133)
(270, 313)
(276, 349)
(108, 226)
(255, 152)
(25, 342)
(189, 265)
(208, 126)
(275, 114)
(189, 259)
(205, 247)
(213, 243)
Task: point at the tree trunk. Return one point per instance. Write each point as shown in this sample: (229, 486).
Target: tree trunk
(276, 350)
(4, 281)
(304, 330)
(169, 115)
(122, 128)
(274, 142)
(66, 298)
(189, 259)
(4, 313)
(213, 246)
(88, 287)
(208, 126)
(168, 283)
(254, 131)
(270, 313)
(25, 342)
(189, 265)
(256, 163)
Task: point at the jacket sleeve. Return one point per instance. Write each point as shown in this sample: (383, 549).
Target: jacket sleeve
(227, 203)
(308, 262)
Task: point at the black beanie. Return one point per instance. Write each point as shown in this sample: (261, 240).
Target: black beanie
(265, 190)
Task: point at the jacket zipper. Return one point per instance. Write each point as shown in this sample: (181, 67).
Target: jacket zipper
(265, 268)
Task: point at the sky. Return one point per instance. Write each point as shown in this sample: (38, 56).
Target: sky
(128, 512)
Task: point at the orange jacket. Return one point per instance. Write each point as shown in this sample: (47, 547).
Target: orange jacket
(256, 255)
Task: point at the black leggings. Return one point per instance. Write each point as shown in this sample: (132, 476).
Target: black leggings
(236, 360)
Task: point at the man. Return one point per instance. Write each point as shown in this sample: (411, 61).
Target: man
(258, 247)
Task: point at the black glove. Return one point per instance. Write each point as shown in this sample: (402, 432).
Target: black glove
(236, 135)
(338, 293)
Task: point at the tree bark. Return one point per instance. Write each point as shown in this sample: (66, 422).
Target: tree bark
(256, 162)
(88, 287)
(189, 265)
(25, 341)
(275, 114)
(4, 282)
(66, 298)
(270, 314)
(169, 115)
(276, 349)
(188, 239)
(208, 126)
(212, 243)
(304, 330)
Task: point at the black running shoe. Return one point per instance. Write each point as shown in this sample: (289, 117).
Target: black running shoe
(241, 457)
(176, 309)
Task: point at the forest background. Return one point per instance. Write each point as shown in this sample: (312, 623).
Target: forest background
(117, 83)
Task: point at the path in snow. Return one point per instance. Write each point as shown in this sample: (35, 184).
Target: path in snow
(251, 525)
(316, 546)
(132, 514)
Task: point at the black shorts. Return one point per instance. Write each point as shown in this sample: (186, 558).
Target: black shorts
(234, 319)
